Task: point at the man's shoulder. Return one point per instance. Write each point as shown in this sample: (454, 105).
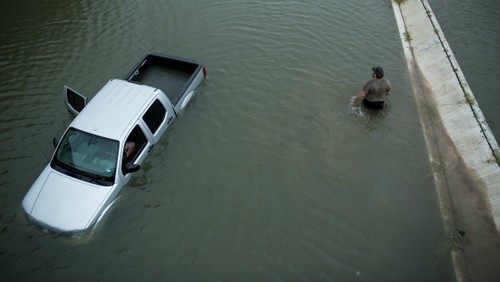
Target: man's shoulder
(367, 85)
(386, 83)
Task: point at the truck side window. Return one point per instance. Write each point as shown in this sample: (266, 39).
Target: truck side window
(154, 116)
(134, 145)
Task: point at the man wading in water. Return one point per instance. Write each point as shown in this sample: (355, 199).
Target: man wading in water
(374, 92)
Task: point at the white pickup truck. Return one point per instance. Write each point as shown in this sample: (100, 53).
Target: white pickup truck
(108, 140)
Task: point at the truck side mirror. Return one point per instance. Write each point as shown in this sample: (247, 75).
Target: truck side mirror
(130, 167)
(55, 142)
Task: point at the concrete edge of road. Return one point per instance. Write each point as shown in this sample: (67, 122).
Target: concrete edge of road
(443, 94)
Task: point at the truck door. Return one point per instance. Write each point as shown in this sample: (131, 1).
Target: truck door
(75, 102)
(158, 117)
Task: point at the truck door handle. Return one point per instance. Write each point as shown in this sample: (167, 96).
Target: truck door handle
(170, 119)
(150, 148)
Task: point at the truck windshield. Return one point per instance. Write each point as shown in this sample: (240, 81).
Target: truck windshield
(87, 157)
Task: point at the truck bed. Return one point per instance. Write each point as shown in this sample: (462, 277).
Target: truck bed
(173, 75)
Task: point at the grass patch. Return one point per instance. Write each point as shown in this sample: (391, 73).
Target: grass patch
(456, 239)
(399, 1)
(407, 36)
(470, 100)
(496, 155)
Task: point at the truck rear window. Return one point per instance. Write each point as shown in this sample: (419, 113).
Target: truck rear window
(154, 116)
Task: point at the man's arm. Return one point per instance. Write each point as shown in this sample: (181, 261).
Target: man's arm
(361, 95)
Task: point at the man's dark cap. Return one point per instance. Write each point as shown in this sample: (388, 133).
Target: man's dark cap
(378, 70)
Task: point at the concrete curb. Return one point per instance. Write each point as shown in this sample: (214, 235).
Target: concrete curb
(462, 148)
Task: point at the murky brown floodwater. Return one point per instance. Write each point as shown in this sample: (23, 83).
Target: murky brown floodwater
(268, 176)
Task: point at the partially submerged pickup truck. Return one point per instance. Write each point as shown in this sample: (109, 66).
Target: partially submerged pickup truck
(108, 140)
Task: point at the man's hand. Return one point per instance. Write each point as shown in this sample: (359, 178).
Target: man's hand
(353, 100)
(361, 95)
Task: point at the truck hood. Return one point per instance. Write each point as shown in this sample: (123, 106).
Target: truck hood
(63, 203)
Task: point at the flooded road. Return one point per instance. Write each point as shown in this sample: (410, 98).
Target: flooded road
(270, 174)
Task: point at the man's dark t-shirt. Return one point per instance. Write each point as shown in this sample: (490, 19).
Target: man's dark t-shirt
(377, 89)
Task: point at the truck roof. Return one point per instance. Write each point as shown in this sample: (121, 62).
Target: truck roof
(114, 108)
